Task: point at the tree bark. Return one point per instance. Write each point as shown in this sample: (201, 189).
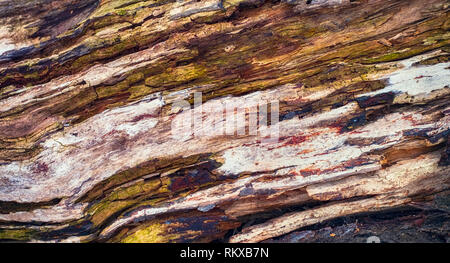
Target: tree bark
(89, 152)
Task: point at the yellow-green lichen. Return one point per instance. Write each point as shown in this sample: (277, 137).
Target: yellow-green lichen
(177, 76)
(102, 211)
(17, 234)
(403, 54)
(153, 233)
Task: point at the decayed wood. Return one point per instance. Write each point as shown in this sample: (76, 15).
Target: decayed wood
(86, 117)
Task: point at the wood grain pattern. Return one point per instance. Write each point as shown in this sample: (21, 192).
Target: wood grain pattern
(86, 117)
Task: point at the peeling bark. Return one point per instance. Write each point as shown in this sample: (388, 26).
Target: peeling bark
(86, 117)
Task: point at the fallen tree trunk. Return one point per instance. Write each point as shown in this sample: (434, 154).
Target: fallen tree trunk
(358, 92)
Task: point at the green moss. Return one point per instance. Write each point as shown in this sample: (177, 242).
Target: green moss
(107, 91)
(177, 76)
(400, 55)
(298, 30)
(153, 233)
(121, 12)
(149, 192)
(208, 17)
(435, 39)
(103, 48)
(139, 91)
(139, 188)
(33, 75)
(17, 234)
(119, 6)
(230, 3)
(102, 211)
(106, 21)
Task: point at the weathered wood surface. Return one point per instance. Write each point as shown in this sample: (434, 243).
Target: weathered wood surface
(86, 87)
